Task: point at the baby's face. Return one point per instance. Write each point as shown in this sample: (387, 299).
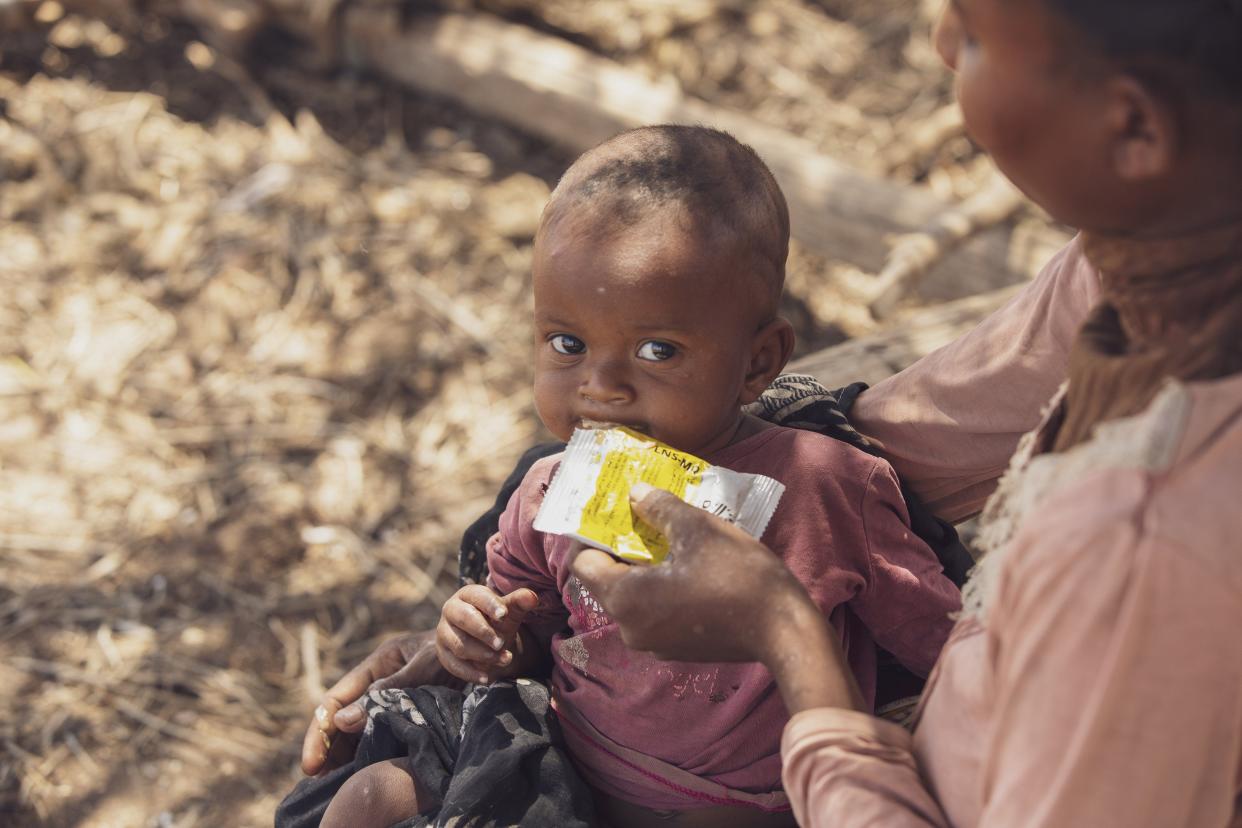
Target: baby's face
(644, 327)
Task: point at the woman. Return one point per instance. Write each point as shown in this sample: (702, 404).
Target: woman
(1094, 677)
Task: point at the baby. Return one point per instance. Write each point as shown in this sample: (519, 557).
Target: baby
(658, 268)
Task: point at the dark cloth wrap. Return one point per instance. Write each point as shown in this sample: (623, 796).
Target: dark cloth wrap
(493, 757)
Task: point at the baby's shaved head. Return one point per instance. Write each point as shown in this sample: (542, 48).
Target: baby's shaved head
(721, 187)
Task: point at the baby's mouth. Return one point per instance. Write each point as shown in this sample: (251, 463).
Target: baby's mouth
(606, 424)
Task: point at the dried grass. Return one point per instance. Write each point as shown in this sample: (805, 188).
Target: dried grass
(263, 354)
(254, 383)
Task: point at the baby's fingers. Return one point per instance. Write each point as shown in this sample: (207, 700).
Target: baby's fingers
(468, 670)
(466, 657)
(463, 645)
(469, 622)
(487, 602)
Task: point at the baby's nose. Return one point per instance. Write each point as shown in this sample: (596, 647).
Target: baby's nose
(606, 383)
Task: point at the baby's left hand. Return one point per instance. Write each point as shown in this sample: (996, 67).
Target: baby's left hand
(478, 636)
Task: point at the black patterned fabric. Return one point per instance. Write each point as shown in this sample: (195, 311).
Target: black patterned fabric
(492, 756)
(799, 401)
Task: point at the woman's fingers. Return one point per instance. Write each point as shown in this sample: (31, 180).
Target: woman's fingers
(599, 571)
(314, 748)
(342, 750)
(463, 670)
(351, 718)
(421, 667)
(663, 510)
(322, 728)
(407, 660)
(705, 602)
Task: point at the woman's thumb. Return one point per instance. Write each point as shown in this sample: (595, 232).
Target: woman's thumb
(663, 510)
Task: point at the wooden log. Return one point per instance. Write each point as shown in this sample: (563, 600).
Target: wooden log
(878, 356)
(575, 99)
(912, 255)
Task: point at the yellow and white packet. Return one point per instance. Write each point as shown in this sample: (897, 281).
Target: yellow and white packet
(589, 498)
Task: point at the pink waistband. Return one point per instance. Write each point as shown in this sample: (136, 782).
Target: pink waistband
(649, 782)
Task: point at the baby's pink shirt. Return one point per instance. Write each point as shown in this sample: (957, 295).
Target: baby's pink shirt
(841, 527)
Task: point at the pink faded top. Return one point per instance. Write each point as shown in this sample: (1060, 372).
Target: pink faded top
(841, 527)
(1096, 676)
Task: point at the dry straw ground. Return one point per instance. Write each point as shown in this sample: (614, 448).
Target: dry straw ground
(264, 353)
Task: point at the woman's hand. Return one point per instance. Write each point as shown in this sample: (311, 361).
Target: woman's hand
(404, 661)
(714, 597)
(720, 596)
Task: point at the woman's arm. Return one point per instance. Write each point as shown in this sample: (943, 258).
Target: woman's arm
(723, 596)
(950, 422)
(844, 768)
(1112, 670)
(805, 657)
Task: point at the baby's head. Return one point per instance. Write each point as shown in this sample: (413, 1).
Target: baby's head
(658, 268)
(1115, 115)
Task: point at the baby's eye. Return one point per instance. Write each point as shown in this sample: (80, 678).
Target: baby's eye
(567, 344)
(656, 351)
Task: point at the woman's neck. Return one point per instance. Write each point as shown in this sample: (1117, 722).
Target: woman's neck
(1164, 286)
(1170, 308)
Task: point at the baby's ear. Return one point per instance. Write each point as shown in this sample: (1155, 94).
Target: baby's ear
(769, 351)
